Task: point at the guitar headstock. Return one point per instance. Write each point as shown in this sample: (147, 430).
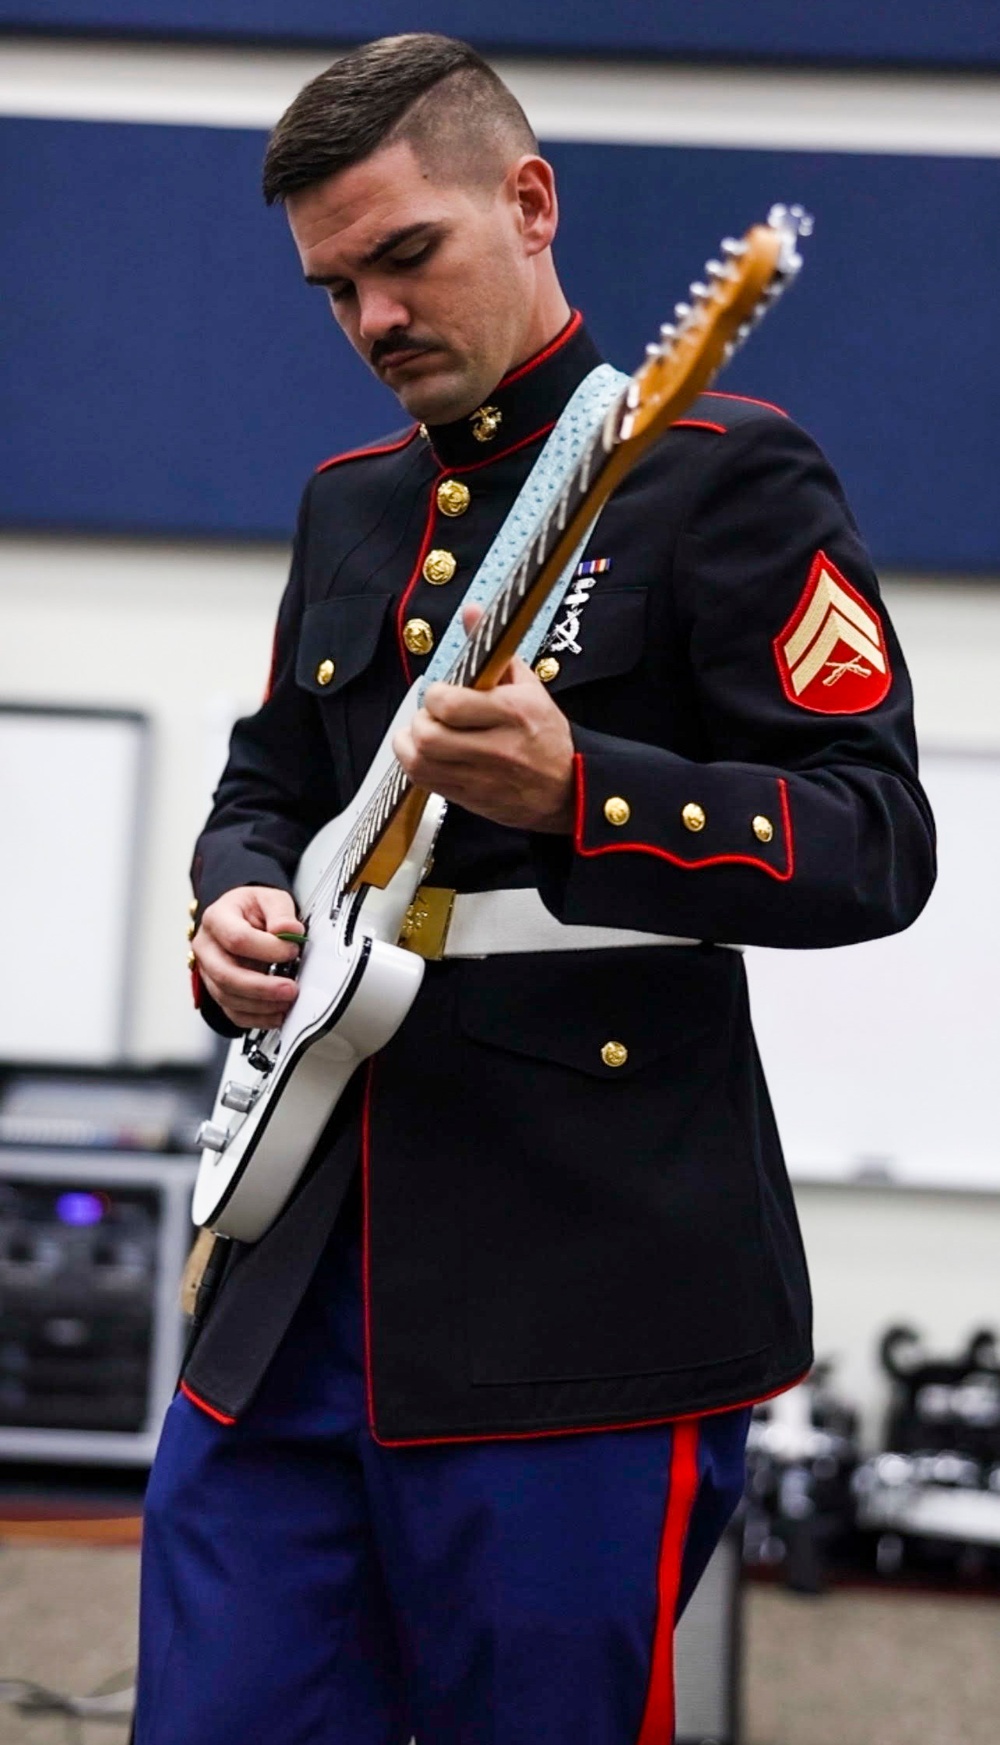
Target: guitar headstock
(736, 293)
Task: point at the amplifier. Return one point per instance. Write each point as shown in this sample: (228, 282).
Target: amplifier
(92, 1246)
(707, 1650)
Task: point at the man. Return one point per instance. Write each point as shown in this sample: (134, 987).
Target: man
(461, 1430)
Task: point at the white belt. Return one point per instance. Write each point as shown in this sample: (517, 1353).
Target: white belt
(444, 923)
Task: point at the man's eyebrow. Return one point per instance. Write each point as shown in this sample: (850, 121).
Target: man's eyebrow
(386, 246)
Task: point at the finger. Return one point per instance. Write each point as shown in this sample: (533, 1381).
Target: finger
(238, 981)
(249, 1014)
(238, 937)
(470, 618)
(457, 706)
(278, 913)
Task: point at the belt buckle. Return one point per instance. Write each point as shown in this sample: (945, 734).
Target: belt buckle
(426, 922)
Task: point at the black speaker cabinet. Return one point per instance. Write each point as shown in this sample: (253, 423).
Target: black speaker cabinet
(92, 1246)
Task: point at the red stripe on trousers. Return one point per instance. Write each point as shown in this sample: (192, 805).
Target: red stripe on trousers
(658, 1720)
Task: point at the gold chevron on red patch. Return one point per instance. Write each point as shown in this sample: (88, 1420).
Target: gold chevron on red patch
(831, 655)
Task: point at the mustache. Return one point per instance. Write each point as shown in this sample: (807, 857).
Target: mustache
(396, 342)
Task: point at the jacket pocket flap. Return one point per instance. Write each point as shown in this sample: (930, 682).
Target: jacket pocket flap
(610, 637)
(582, 1009)
(338, 640)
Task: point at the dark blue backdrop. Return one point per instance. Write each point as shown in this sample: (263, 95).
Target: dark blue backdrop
(170, 372)
(943, 31)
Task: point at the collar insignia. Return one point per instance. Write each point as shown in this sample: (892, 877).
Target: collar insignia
(563, 638)
(832, 656)
(486, 422)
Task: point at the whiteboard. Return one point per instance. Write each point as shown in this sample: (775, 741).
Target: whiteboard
(883, 1060)
(70, 790)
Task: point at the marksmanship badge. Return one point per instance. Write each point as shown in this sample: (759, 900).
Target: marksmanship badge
(832, 656)
(562, 638)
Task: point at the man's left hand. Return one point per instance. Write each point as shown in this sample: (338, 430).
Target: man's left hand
(506, 754)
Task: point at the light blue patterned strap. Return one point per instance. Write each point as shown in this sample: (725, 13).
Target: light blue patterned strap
(540, 491)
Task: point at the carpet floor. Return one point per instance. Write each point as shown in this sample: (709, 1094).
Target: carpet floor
(851, 1668)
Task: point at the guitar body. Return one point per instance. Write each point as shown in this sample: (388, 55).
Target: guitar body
(355, 987)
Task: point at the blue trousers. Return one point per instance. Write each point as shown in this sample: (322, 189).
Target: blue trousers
(302, 1585)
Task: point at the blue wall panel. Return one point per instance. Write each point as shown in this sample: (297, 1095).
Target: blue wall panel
(943, 31)
(170, 372)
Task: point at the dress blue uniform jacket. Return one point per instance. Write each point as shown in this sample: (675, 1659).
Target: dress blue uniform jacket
(553, 1242)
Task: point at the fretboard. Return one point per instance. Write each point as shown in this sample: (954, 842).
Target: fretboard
(521, 596)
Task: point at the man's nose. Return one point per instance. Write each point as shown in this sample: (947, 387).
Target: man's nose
(380, 313)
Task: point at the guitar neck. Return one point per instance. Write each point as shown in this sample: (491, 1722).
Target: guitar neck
(385, 834)
(725, 309)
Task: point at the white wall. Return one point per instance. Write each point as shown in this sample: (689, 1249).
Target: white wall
(183, 632)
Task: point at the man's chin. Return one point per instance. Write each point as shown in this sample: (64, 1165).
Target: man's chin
(434, 396)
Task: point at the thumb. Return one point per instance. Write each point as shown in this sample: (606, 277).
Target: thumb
(278, 913)
(518, 672)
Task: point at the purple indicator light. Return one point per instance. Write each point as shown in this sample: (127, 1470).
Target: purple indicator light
(79, 1208)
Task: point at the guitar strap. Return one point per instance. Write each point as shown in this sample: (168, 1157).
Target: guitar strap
(537, 496)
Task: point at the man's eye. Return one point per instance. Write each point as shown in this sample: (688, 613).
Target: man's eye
(414, 259)
(337, 293)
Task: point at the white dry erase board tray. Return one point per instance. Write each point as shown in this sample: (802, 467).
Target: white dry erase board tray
(883, 1059)
(71, 784)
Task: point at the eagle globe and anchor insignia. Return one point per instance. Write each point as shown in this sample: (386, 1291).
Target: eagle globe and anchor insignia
(832, 656)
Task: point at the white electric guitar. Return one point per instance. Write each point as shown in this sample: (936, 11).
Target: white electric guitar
(359, 876)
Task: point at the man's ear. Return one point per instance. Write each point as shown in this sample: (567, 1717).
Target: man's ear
(533, 187)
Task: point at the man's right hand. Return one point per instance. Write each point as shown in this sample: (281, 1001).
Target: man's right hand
(237, 939)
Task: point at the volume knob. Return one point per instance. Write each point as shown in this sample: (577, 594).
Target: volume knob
(211, 1138)
(238, 1097)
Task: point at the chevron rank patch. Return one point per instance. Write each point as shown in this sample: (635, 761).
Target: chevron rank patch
(831, 655)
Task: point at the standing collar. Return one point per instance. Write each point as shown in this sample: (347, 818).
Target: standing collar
(524, 404)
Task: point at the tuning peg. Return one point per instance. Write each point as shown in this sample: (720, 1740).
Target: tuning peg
(700, 291)
(653, 350)
(668, 332)
(716, 270)
(682, 311)
(730, 246)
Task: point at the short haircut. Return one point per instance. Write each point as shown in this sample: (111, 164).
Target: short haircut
(434, 92)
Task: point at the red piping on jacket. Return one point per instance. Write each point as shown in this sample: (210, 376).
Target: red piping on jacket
(572, 326)
(747, 399)
(366, 453)
(432, 511)
(658, 1719)
(675, 859)
(699, 424)
(203, 1406)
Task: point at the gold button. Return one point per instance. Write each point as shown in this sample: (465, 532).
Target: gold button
(193, 906)
(325, 671)
(547, 669)
(762, 828)
(439, 566)
(192, 930)
(192, 960)
(617, 810)
(453, 498)
(693, 817)
(418, 636)
(614, 1054)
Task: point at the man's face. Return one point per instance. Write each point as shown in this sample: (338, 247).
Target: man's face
(430, 282)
